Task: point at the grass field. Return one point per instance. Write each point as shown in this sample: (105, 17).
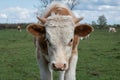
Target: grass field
(99, 57)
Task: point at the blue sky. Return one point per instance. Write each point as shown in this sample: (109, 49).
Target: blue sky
(18, 11)
(14, 11)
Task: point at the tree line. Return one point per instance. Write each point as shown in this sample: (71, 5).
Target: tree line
(12, 25)
(101, 23)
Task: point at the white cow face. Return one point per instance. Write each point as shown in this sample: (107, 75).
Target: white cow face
(59, 32)
(59, 37)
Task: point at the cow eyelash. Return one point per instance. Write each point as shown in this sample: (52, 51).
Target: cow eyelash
(46, 39)
(48, 42)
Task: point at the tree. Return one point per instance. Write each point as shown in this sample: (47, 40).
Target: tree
(72, 3)
(102, 21)
(94, 24)
(43, 4)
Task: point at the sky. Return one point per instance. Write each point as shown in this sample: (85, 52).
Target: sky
(23, 11)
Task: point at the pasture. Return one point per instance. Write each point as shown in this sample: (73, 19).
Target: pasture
(99, 56)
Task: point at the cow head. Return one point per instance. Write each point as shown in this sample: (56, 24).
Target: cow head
(59, 32)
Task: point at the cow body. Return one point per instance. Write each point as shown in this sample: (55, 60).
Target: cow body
(112, 29)
(56, 41)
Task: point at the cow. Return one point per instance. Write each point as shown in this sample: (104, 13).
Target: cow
(112, 29)
(56, 37)
(86, 37)
(19, 28)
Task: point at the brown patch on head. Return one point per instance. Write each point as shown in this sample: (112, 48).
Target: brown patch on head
(58, 10)
(61, 11)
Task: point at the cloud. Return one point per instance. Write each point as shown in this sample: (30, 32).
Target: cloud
(3, 15)
(98, 5)
(108, 7)
(21, 13)
(92, 9)
(113, 17)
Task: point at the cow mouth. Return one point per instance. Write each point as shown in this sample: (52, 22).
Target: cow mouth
(58, 69)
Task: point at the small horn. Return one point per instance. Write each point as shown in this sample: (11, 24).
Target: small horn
(43, 20)
(78, 19)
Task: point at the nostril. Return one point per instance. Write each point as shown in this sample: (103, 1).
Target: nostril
(53, 65)
(64, 65)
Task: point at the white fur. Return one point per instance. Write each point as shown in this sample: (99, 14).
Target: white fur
(61, 75)
(71, 72)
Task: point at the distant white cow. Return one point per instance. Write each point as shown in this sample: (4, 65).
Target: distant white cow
(86, 37)
(19, 28)
(112, 29)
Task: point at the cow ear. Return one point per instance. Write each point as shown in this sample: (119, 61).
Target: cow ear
(83, 30)
(36, 29)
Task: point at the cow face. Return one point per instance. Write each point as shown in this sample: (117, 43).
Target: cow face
(59, 32)
(59, 37)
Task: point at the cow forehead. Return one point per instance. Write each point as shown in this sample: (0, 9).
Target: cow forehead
(59, 21)
(59, 28)
(60, 32)
(62, 24)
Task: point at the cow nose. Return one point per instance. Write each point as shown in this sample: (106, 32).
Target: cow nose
(59, 66)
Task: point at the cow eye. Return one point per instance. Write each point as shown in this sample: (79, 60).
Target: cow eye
(71, 40)
(70, 43)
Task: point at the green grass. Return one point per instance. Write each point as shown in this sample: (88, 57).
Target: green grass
(99, 56)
